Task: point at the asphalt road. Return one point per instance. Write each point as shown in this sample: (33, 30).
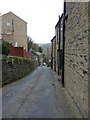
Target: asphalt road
(38, 95)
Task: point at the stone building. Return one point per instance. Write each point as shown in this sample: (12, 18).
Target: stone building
(53, 53)
(14, 30)
(57, 46)
(57, 42)
(76, 54)
(0, 27)
(73, 42)
(39, 57)
(60, 46)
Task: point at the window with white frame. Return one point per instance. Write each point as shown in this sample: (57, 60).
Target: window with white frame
(8, 24)
(9, 33)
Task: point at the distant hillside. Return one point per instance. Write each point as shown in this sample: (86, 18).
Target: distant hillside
(46, 47)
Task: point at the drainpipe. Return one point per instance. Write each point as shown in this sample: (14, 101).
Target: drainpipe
(51, 54)
(63, 51)
(59, 45)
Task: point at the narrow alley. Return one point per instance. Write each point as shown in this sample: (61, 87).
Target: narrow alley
(38, 95)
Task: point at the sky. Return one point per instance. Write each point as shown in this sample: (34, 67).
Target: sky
(41, 16)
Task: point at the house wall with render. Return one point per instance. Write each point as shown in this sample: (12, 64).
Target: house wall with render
(76, 54)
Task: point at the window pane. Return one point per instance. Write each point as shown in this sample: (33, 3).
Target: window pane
(8, 24)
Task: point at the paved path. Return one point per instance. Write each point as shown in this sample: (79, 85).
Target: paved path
(38, 95)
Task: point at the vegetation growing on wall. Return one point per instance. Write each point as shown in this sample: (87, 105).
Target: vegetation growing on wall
(5, 48)
(14, 68)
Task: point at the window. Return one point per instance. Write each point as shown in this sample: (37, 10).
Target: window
(61, 29)
(8, 24)
(1, 31)
(9, 33)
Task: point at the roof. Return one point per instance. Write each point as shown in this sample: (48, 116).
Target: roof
(53, 38)
(57, 25)
(38, 53)
(15, 15)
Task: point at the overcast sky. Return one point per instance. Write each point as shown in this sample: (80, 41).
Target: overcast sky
(41, 16)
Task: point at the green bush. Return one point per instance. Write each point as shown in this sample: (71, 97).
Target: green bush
(18, 57)
(0, 47)
(5, 48)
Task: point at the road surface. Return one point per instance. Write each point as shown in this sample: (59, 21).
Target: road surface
(38, 95)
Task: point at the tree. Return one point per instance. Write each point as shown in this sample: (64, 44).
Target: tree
(35, 47)
(5, 48)
(40, 49)
(32, 45)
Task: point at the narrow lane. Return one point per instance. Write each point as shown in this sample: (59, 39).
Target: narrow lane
(38, 95)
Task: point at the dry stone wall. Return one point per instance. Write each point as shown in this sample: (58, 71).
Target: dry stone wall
(16, 68)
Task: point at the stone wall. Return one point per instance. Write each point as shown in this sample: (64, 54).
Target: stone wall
(53, 53)
(14, 68)
(76, 54)
(57, 42)
(89, 60)
(0, 27)
(0, 69)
